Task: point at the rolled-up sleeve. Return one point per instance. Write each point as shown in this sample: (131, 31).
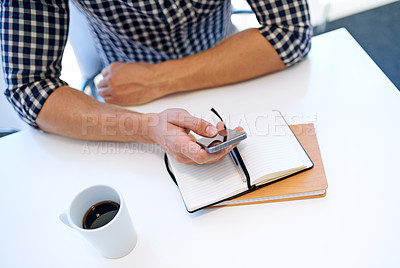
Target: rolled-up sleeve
(33, 36)
(286, 25)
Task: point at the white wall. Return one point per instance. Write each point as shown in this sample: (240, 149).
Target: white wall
(343, 8)
(322, 10)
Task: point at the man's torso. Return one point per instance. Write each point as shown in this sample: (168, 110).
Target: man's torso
(155, 31)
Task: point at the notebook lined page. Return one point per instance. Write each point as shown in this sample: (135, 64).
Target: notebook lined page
(269, 157)
(271, 148)
(201, 185)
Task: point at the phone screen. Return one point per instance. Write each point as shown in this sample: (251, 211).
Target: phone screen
(223, 139)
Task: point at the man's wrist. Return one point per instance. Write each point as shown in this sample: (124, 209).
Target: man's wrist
(126, 126)
(169, 77)
(148, 127)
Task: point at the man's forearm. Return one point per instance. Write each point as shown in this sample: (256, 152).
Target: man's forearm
(240, 57)
(69, 112)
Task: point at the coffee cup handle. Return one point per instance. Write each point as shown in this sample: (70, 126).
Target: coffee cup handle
(64, 218)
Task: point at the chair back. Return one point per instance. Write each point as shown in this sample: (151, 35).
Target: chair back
(82, 43)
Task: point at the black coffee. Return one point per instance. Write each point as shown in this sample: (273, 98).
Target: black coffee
(100, 214)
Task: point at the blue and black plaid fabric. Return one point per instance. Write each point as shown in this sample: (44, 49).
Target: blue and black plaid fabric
(34, 33)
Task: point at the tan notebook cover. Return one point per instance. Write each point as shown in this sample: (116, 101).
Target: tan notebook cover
(307, 184)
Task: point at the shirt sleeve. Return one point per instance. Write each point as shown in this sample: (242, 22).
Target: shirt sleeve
(33, 36)
(286, 25)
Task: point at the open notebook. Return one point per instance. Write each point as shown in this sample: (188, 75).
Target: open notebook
(270, 152)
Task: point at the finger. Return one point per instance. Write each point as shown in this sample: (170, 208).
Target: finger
(105, 92)
(182, 159)
(218, 159)
(196, 154)
(103, 83)
(197, 125)
(220, 126)
(183, 144)
(204, 157)
(221, 154)
(178, 157)
(239, 129)
(179, 142)
(186, 146)
(109, 100)
(108, 70)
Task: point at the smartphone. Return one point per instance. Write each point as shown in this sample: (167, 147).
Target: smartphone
(224, 138)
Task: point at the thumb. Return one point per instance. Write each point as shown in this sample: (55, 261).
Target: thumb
(197, 125)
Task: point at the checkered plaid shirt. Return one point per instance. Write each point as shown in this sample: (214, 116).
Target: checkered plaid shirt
(34, 33)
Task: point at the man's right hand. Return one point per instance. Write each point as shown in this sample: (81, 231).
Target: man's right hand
(171, 128)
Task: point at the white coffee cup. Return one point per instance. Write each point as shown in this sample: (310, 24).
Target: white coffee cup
(115, 239)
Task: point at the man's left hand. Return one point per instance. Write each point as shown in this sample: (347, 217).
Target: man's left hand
(130, 83)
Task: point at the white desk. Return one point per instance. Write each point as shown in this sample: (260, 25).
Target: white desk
(356, 110)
